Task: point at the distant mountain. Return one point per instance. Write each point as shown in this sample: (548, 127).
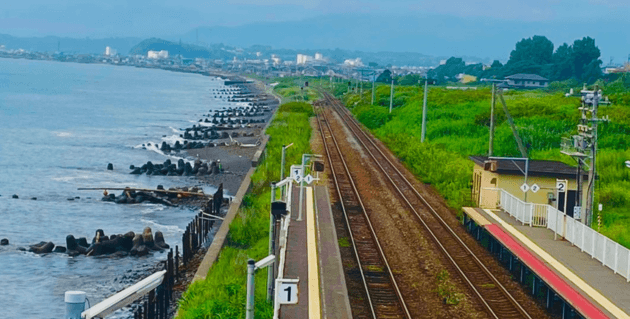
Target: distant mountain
(68, 45)
(473, 39)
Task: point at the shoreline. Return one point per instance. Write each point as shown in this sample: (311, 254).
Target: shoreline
(240, 164)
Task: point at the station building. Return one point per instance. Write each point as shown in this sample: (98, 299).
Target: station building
(492, 175)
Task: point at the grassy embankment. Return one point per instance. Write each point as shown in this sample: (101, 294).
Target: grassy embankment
(223, 293)
(293, 89)
(457, 126)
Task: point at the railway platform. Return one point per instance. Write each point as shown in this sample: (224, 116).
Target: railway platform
(313, 256)
(578, 281)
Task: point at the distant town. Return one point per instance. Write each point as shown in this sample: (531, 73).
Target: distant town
(272, 66)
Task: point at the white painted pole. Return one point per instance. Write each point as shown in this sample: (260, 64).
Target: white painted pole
(301, 190)
(271, 237)
(424, 111)
(373, 93)
(391, 97)
(249, 307)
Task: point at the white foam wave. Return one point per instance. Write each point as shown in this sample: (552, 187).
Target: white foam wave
(70, 178)
(63, 134)
(172, 139)
(155, 148)
(167, 229)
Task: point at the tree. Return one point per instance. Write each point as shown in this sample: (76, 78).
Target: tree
(584, 53)
(496, 64)
(537, 50)
(592, 71)
(385, 77)
(563, 63)
(448, 70)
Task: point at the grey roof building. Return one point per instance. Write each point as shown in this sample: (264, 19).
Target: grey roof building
(527, 81)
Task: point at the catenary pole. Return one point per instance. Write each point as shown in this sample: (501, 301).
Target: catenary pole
(373, 80)
(492, 104)
(424, 110)
(391, 97)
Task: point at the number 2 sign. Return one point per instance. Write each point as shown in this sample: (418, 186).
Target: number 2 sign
(287, 293)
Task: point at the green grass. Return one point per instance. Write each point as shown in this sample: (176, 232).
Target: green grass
(223, 293)
(343, 242)
(457, 126)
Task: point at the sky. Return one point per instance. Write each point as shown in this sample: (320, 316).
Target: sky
(161, 18)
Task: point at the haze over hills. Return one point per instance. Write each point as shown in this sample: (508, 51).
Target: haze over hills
(68, 45)
(429, 34)
(422, 39)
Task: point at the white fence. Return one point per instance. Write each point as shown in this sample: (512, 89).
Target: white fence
(598, 246)
(283, 236)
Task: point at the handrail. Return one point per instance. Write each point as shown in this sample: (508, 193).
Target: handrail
(125, 297)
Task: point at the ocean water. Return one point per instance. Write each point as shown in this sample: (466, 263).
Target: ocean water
(60, 125)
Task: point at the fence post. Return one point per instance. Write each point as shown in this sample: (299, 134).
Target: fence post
(604, 251)
(176, 260)
(583, 236)
(616, 257)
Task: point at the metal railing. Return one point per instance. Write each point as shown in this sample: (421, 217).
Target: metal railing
(158, 287)
(283, 236)
(608, 252)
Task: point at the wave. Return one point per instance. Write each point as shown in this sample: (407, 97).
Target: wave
(154, 147)
(166, 229)
(63, 134)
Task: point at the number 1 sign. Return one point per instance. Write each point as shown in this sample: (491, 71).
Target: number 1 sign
(287, 293)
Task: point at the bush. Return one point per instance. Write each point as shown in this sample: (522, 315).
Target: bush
(457, 127)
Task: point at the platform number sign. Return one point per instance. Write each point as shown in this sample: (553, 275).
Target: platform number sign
(524, 188)
(296, 173)
(288, 293)
(535, 188)
(309, 179)
(561, 186)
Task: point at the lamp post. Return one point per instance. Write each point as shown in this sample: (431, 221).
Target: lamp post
(252, 266)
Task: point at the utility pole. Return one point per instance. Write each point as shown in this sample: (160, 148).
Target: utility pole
(492, 104)
(424, 110)
(391, 97)
(373, 92)
(584, 147)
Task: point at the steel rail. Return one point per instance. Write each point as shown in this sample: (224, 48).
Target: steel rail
(374, 307)
(485, 301)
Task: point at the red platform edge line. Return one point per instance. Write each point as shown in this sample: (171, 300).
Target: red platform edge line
(572, 296)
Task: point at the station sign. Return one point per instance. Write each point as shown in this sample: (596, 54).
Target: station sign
(524, 188)
(561, 185)
(535, 188)
(296, 173)
(287, 291)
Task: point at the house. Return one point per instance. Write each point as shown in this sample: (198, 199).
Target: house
(492, 175)
(466, 78)
(526, 81)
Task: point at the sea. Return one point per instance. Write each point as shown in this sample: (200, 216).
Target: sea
(60, 125)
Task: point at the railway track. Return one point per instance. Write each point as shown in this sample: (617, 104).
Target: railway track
(498, 302)
(384, 299)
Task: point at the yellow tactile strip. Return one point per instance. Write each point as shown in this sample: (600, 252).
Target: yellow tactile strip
(314, 310)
